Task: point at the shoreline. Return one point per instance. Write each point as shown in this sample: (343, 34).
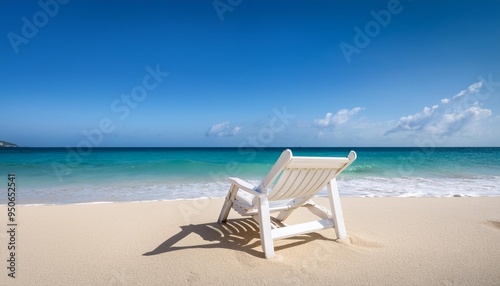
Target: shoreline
(392, 241)
(403, 196)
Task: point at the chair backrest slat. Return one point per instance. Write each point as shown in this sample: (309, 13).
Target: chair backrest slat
(302, 183)
(302, 176)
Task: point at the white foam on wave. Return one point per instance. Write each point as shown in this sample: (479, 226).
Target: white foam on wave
(420, 187)
(348, 187)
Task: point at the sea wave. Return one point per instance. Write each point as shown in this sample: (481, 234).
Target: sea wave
(420, 186)
(348, 187)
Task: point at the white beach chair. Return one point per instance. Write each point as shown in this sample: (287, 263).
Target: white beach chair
(290, 184)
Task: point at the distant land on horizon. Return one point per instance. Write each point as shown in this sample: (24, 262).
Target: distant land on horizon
(7, 144)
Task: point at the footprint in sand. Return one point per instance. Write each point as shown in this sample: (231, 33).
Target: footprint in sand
(491, 224)
(364, 243)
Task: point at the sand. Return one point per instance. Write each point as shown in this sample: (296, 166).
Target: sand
(392, 241)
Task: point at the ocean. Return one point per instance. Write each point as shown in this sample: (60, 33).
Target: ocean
(71, 176)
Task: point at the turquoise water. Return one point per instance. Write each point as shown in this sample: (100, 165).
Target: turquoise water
(63, 175)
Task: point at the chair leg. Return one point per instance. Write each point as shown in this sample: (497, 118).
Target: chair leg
(265, 228)
(283, 215)
(338, 217)
(228, 203)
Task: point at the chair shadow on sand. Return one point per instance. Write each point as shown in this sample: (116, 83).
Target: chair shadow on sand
(237, 234)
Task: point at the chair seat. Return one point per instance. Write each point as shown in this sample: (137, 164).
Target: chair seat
(243, 204)
(246, 205)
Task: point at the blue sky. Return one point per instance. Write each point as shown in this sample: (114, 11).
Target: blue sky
(250, 73)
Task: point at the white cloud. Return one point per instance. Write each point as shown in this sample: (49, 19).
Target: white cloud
(223, 129)
(475, 87)
(340, 118)
(325, 121)
(453, 115)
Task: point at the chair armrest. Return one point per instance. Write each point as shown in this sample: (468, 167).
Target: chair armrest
(245, 186)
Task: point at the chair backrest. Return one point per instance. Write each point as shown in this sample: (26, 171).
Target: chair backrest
(293, 177)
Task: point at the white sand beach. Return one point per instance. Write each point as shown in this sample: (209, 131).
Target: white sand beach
(392, 241)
